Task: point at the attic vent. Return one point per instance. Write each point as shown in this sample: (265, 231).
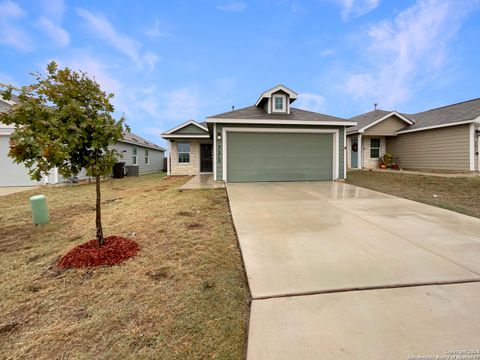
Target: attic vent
(134, 139)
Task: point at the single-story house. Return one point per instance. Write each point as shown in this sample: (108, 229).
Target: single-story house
(133, 150)
(444, 138)
(268, 141)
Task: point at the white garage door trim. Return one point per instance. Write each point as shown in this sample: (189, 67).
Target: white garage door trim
(334, 132)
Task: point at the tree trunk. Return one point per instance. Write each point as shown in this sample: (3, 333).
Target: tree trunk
(98, 218)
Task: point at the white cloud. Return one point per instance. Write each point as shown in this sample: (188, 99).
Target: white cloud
(150, 59)
(94, 67)
(59, 35)
(10, 33)
(327, 52)
(103, 29)
(155, 31)
(357, 8)
(182, 104)
(232, 6)
(407, 52)
(311, 102)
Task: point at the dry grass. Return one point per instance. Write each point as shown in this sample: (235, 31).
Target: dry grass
(461, 194)
(183, 297)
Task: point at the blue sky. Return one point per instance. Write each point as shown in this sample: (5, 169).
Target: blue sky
(169, 61)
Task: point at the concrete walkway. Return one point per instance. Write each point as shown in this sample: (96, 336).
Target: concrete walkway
(202, 181)
(14, 189)
(326, 241)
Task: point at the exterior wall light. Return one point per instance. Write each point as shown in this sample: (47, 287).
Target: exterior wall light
(219, 136)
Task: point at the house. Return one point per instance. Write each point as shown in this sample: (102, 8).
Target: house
(268, 141)
(133, 150)
(444, 138)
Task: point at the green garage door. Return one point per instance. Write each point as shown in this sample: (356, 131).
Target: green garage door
(279, 156)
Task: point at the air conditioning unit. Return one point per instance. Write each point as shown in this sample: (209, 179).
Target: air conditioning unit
(132, 170)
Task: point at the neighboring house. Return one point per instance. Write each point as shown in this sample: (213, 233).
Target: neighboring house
(269, 141)
(133, 150)
(445, 138)
(11, 174)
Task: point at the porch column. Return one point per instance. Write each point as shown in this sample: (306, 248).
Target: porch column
(360, 152)
(169, 157)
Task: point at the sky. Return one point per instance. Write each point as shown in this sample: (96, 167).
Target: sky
(171, 61)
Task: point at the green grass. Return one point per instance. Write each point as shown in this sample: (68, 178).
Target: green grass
(184, 296)
(460, 194)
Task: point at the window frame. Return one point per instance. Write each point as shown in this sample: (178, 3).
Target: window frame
(377, 148)
(147, 157)
(284, 103)
(179, 158)
(135, 156)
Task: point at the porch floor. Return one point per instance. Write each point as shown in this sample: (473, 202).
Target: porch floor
(202, 181)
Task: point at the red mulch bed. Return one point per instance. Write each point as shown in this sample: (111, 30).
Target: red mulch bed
(115, 250)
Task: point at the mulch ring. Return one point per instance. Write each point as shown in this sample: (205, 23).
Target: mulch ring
(115, 250)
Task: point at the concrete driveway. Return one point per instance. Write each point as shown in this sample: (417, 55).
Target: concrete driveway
(7, 190)
(309, 248)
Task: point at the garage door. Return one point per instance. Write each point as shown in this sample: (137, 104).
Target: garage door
(12, 174)
(279, 156)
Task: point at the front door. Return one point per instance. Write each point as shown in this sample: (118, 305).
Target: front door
(354, 159)
(206, 158)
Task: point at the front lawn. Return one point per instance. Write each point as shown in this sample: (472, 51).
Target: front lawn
(184, 296)
(461, 194)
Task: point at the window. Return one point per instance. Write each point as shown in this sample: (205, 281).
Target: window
(147, 158)
(374, 148)
(278, 103)
(183, 153)
(134, 156)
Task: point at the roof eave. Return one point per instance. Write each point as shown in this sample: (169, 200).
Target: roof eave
(184, 136)
(213, 120)
(439, 126)
(142, 145)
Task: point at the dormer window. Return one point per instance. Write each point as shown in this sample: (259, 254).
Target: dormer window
(279, 103)
(277, 100)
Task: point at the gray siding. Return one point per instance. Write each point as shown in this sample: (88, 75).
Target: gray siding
(126, 155)
(190, 129)
(386, 127)
(219, 150)
(437, 149)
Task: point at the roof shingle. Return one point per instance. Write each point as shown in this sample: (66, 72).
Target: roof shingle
(258, 113)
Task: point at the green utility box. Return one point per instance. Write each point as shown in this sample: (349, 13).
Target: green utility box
(39, 209)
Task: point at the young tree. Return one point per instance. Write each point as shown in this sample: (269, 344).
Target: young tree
(64, 120)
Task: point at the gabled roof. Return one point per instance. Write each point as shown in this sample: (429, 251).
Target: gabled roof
(292, 94)
(201, 126)
(131, 138)
(460, 113)
(369, 119)
(258, 115)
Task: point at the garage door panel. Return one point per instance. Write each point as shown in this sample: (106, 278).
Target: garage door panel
(279, 156)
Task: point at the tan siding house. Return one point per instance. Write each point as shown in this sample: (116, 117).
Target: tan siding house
(444, 148)
(445, 138)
